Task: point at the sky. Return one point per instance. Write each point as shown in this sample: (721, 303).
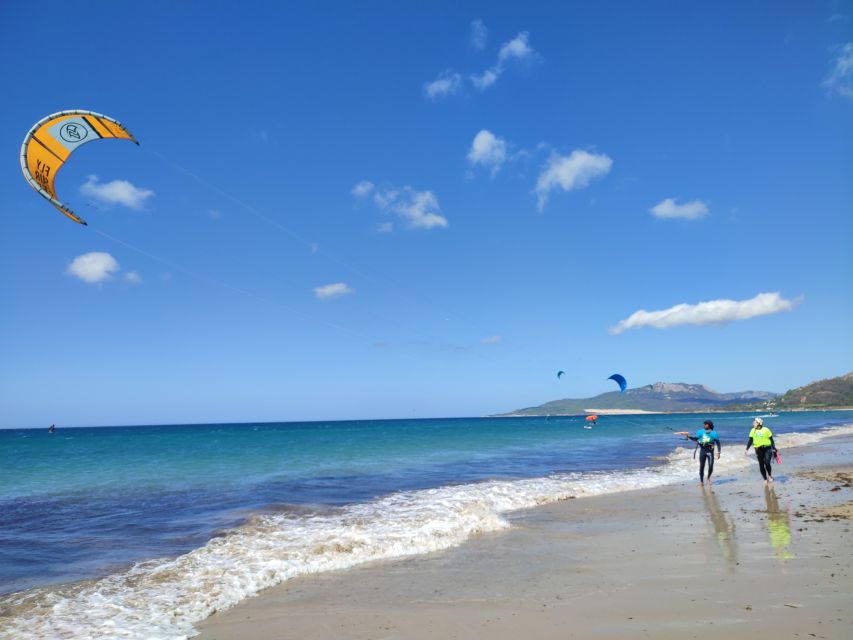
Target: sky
(405, 210)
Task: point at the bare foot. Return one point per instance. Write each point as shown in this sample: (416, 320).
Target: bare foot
(709, 481)
(769, 480)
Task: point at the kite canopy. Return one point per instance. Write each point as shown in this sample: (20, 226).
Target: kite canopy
(560, 374)
(620, 380)
(53, 139)
(592, 418)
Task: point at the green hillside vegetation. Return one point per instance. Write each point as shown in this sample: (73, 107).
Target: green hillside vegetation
(823, 394)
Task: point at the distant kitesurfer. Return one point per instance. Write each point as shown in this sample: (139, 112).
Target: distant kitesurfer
(51, 428)
(706, 438)
(762, 439)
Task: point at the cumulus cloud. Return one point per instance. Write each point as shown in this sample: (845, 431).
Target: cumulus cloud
(383, 199)
(133, 277)
(488, 150)
(840, 79)
(93, 267)
(491, 340)
(574, 171)
(362, 189)
(334, 290)
(668, 209)
(518, 49)
(479, 34)
(447, 83)
(485, 79)
(116, 192)
(419, 209)
(711, 312)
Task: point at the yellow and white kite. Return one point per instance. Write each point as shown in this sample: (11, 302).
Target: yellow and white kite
(53, 139)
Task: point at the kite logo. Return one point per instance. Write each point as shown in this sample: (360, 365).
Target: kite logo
(73, 132)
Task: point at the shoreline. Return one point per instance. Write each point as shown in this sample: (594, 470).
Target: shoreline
(173, 596)
(668, 562)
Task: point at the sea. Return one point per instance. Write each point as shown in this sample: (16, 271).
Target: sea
(141, 532)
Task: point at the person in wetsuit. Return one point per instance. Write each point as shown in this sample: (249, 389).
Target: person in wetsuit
(761, 438)
(706, 438)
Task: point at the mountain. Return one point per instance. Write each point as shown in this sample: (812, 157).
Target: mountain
(659, 397)
(832, 392)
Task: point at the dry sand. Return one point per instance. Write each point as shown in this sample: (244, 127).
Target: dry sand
(734, 562)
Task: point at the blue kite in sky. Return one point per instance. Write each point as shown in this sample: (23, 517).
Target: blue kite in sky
(620, 380)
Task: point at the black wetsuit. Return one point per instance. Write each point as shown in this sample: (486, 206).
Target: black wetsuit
(765, 457)
(706, 453)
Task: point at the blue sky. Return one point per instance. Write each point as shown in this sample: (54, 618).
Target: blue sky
(388, 209)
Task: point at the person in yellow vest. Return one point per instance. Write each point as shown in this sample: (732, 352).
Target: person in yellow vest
(762, 439)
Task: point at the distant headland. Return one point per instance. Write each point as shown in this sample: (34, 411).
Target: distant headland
(680, 397)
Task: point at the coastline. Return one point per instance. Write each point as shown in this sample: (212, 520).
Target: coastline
(667, 562)
(637, 412)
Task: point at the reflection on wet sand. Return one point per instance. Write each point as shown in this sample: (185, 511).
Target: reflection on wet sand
(723, 527)
(778, 525)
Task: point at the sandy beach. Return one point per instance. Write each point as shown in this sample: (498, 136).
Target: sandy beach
(735, 561)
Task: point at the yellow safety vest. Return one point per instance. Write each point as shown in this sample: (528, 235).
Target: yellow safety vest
(760, 437)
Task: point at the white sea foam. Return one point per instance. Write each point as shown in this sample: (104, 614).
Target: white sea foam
(164, 599)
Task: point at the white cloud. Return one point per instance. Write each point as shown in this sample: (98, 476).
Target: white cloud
(116, 192)
(711, 312)
(515, 48)
(840, 79)
(133, 277)
(383, 199)
(668, 209)
(447, 83)
(419, 208)
(491, 340)
(362, 189)
(479, 34)
(332, 290)
(488, 150)
(570, 172)
(518, 49)
(93, 267)
(486, 79)
(384, 227)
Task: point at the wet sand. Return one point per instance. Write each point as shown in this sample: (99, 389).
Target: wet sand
(734, 561)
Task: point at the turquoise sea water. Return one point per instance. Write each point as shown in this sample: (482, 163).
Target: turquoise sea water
(89, 503)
